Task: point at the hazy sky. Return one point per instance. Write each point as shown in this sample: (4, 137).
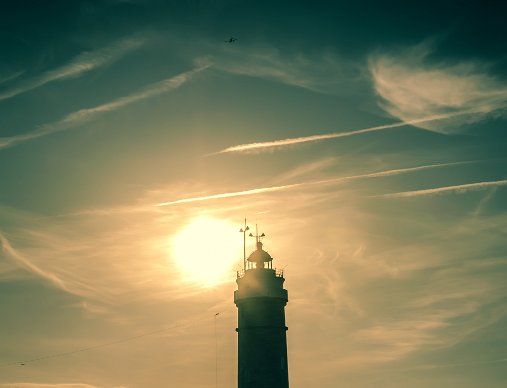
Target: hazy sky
(367, 140)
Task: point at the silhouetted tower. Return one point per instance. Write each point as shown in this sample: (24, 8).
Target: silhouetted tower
(262, 341)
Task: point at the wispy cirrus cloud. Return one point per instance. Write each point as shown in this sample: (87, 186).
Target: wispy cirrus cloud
(81, 64)
(91, 256)
(327, 73)
(65, 255)
(269, 145)
(456, 288)
(459, 291)
(411, 87)
(427, 327)
(87, 114)
(446, 189)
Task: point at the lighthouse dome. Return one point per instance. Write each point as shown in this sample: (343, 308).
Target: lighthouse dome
(259, 255)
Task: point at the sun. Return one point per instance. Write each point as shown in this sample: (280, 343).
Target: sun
(206, 249)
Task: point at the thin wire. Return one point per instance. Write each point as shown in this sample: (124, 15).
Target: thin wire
(103, 345)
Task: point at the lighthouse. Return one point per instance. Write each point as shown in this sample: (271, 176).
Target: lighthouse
(262, 341)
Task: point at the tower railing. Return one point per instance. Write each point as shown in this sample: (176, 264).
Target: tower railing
(278, 272)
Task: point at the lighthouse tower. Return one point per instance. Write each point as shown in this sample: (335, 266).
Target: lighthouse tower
(262, 341)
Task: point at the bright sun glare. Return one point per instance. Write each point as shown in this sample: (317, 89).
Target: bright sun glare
(206, 249)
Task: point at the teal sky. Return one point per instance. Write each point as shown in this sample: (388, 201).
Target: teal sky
(366, 140)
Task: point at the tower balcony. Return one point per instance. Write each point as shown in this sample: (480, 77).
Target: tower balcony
(260, 283)
(278, 272)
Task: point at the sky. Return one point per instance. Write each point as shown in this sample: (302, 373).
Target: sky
(366, 140)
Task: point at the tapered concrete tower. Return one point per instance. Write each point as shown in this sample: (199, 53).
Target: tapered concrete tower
(262, 341)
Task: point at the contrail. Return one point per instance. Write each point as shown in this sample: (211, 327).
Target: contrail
(232, 194)
(437, 190)
(301, 184)
(83, 63)
(20, 260)
(410, 169)
(85, 115)
(306, 139)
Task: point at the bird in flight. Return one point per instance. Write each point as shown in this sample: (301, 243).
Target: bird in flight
(232, 39)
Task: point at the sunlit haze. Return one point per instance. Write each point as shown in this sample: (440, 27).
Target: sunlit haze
(366, 139)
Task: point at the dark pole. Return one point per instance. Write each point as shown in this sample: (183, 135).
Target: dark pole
(243, 230)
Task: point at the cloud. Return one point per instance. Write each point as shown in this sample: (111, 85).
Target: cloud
(327, 73)
(484, 201)
(310, 183)
(81, 64)
(382, 303)
(309, 169)
(7, 78)
(396, 339)
(434, 97)
(398, 171)
(451, 288)
(411, 87)
(439, 190)
(269, 145)
(87, 114)
(10, 252)
(98, 257)
(229, 195)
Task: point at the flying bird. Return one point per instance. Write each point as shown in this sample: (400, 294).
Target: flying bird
(232, 39)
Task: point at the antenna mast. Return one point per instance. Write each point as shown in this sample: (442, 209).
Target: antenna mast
(243, 230)
(257, 236)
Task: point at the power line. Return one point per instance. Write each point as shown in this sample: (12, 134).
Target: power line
(106, 344)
